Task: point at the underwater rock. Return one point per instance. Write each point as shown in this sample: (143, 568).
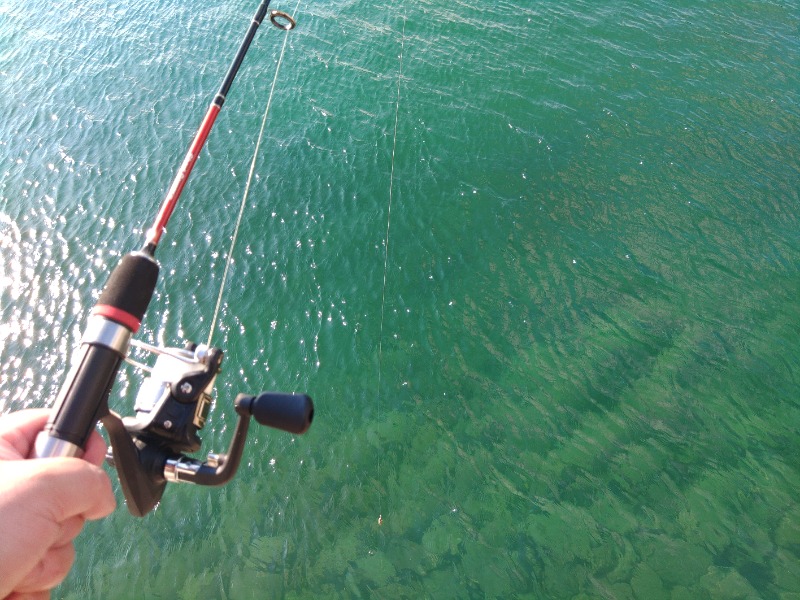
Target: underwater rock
(622, 591)
(626, 561)
(561, 580)
(727, 584)
(617, 591)
(489, 567)
(711, 526)
(688, 525)
(248, 583)
(392, 429)
(404, 555)
(399, 591)
(683, 593)
(352, 585)
(677, 562)
(786, 569)
(561, 534)
(605, 556)
(268, 550)
(787, 534)
(197, 585)
(377, 568)
(334, 559)
(442, 537)
(438, 584)
(398, 524)
(647, 584)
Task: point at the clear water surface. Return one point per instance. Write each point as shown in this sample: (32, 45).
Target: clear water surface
(580, 378)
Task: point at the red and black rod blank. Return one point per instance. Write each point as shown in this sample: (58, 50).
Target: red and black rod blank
(168, 205)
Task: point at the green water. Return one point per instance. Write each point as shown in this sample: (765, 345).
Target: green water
(580, 378)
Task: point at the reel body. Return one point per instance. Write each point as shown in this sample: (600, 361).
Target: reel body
(149, 449)
(173, 402)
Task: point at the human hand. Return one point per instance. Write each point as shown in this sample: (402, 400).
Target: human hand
(44, 504)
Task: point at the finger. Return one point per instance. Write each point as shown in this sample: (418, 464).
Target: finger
(70, 528)
(68, 487)
(31, 596)
(18, 431)
(95, 449)
(48, 572)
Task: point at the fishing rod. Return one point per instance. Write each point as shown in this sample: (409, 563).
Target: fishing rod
(150, 449)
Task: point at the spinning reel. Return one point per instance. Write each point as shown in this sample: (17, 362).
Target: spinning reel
(148, 449)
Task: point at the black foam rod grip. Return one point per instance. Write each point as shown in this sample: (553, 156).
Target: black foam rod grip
(288, 412)
(129, 290)
(83, 400)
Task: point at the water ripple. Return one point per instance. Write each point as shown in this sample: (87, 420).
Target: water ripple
(587, 380)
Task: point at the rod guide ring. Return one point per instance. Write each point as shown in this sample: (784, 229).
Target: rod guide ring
(281, 20)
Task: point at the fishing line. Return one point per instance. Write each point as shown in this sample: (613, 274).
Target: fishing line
(250, 175)
(389, 207)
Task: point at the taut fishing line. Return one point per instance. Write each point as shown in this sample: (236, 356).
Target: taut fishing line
(250, 176)
(389, 207)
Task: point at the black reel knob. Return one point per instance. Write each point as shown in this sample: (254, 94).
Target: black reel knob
(288, 412)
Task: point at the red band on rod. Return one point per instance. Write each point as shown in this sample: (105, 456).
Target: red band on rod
(119, 316)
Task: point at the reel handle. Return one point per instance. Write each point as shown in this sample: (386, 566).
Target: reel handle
(287, 412)
(145, 465)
